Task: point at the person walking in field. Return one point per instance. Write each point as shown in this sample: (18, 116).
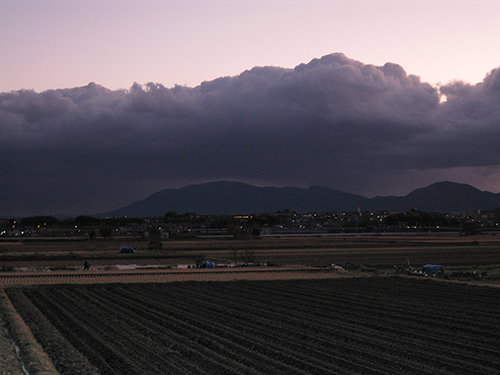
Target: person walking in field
(86, 265)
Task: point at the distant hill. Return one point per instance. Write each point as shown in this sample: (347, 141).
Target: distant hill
(232, 198)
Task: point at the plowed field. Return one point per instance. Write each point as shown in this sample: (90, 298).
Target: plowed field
(376, 325)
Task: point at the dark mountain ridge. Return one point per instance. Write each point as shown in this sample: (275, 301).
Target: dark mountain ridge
(232, 198)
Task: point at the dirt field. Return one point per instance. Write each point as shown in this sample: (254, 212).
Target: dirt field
(378, 325)
(376, 251)
(285, 258)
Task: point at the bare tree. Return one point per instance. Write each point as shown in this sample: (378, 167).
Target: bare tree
(248, 256)
(234, 253)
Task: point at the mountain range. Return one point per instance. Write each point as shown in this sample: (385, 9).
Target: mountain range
(233, 198)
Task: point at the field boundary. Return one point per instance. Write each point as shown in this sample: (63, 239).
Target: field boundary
(162, 276)
(36, 361)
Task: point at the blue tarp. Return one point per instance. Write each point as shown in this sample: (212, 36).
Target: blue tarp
(431, 268)
(127, 249)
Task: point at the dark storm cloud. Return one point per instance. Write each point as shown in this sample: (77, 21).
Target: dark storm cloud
(334, 122)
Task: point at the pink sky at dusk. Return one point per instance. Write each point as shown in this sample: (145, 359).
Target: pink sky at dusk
(54, 44)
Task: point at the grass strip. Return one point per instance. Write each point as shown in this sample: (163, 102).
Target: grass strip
(33, 334)
(35, 360)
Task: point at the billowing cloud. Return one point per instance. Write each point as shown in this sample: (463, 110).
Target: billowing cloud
(334, 122)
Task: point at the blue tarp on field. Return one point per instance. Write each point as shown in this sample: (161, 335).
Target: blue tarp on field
(127, 249)
(431, 268)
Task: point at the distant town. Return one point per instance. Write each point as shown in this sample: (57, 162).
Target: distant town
(281, 223)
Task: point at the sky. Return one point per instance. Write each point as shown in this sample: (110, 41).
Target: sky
(103, 103)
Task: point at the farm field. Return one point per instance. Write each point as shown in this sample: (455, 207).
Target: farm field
(375, 325)
(292, 315)
(381, 252)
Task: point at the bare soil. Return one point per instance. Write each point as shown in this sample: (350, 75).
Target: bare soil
(378, 251)
(52, 262)
(377, 325)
